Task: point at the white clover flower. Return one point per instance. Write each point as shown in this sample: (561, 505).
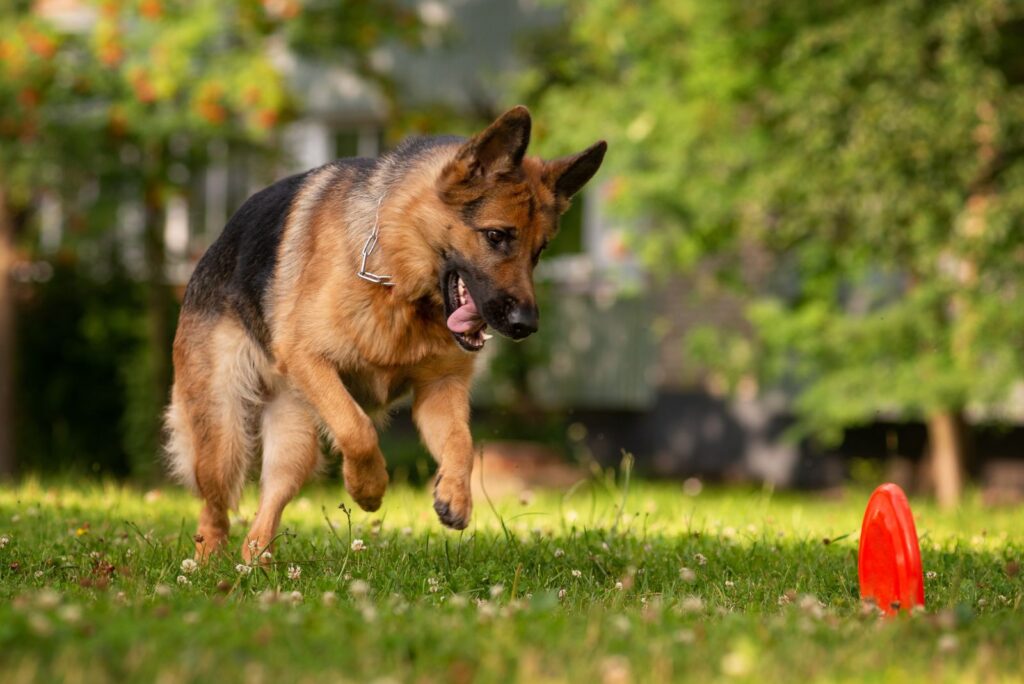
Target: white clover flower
(162, 590)
(70, 613)
(266, 557)
(268, 597)
(577, 573)
(329, 598)
(183, 580)
(701, 559)
(358, 545)
(188, 566)
(621, 623)
(4, 541)
(434, 585)
(38, 574)
(562, 593)
(243, 569)
(38, 623)
(736, 664)
(812, 606)
(294, 572)
(496, 590)
(618, 586)
(692, 604)
(559, 553)
(359, 589)
(730, 584)
(48, 598)
(295, 597)
(685, 636)
(931, 574)
(687, 575)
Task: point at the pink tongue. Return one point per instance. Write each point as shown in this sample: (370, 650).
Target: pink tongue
(465, 318)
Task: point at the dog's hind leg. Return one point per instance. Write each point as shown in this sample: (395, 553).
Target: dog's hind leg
(212, 418)
(291, 452)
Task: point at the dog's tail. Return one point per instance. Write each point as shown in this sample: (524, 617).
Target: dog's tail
(179, 447)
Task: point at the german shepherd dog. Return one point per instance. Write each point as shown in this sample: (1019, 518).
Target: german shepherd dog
(284, 330)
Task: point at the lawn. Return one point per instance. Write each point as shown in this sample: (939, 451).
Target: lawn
(604, 583)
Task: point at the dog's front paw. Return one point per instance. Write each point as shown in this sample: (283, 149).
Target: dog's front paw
(453, 501)
(366, 480)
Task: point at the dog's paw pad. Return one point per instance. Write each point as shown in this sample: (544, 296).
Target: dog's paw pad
(449, 517)
(366, 482)
(368, 504)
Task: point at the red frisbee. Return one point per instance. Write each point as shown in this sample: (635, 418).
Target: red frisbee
(889, 562)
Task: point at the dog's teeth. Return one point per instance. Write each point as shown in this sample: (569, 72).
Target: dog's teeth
(486, 337)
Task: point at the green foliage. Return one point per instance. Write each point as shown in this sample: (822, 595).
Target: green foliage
(72, 382)
(657, 587)
(119, 112)
(866, 154)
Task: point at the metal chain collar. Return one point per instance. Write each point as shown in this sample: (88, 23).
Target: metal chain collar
(368, 248)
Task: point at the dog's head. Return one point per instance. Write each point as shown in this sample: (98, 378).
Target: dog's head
(503, 210)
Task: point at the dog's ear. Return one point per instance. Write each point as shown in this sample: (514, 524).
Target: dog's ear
(498, 149)
(567, 175)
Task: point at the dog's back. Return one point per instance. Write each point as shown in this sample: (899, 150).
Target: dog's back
(235, 272)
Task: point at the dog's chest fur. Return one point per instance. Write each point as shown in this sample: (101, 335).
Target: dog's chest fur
(374, 388)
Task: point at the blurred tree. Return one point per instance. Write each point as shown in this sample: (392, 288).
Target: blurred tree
(125, 98)
(30, 139)
(855, 167)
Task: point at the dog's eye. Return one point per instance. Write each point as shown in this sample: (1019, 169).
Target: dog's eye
(496, 238)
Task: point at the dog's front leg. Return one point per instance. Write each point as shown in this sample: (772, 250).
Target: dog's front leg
(441, 412)
(366, 477)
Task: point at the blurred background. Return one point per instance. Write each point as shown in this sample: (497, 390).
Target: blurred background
(801, 264)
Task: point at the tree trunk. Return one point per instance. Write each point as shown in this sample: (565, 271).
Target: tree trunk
(158, 304)
(947, 453)
(158, 296)
(7, 459)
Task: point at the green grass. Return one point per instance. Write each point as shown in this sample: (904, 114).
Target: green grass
(579, 586)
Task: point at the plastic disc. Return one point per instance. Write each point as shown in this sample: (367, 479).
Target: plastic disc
(889, 563)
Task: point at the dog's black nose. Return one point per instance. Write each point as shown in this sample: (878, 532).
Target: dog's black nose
(522, 321)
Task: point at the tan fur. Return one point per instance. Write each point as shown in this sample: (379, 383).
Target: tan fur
(342, 349)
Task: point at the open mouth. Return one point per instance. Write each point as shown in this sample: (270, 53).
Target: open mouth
(464, 320)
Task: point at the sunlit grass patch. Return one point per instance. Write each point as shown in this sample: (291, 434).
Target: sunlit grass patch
(600, 583)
